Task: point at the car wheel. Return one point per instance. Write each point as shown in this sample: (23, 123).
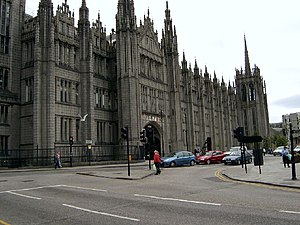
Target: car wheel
(239, 162)
(208, 162)
(172, 164)
(250, 160)
(225, 163)
(192, 163)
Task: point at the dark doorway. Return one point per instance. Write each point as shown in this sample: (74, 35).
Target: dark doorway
(153, 142)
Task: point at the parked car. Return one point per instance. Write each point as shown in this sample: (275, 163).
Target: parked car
(278, 151)
(178, 159)
(235, 157)
(297, 149)
(210, 157)
(233, 149)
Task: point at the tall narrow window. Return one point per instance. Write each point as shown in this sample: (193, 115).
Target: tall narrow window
(4, 78)
(77, 129)
(4, 26)
(244, 93)
(3, 145)
(77, 93)
(29, 90)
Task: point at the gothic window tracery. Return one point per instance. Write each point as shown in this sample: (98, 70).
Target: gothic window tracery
(244, 93)
(252, 93)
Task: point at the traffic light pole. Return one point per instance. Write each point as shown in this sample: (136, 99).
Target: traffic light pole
(71, 156)
(128, 157)
(71, 141)
(244, 158)
(125, 136)
(294, 177)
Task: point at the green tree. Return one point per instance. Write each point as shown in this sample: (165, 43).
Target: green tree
(279, 140)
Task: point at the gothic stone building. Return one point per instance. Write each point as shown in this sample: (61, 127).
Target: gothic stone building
(52, 71)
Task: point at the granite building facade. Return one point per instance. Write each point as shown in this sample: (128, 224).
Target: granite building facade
(52, 72)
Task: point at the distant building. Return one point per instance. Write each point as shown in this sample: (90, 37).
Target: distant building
(52, 71)
(292, 119)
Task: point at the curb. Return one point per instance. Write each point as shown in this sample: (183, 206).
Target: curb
(116, 177)
(260, 182)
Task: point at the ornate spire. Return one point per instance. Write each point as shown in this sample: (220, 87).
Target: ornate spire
(247, 62)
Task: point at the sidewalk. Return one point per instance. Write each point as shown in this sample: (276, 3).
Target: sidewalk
(272, 173)
(137, 171)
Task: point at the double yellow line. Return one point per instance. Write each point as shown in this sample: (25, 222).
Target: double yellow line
(219, 174)
(3, 223)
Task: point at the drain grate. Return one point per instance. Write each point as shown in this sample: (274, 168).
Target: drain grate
(3, 180)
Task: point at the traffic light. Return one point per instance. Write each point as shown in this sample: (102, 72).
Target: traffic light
(143, 137)
(124, 132)
(208, 143)
(238, 133)
(149, 134)
(71, 141)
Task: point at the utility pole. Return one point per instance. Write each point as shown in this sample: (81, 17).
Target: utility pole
(293, 154)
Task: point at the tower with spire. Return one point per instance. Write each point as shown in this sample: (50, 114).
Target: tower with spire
(44, 78)
(251, 99)
(129, 112)
(169, 41)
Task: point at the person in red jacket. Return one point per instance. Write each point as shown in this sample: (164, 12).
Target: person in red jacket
(157, 162)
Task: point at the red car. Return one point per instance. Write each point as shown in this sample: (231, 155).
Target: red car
(214, 156)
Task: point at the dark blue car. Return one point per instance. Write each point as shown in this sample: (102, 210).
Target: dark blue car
(178, 159)
(236, 158)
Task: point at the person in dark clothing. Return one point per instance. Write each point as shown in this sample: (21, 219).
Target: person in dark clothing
(157, 162)
(57, 160)
(285, 157)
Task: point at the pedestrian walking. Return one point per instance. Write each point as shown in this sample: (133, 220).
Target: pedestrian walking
(285, 157)
(157, 162)
(57, 160)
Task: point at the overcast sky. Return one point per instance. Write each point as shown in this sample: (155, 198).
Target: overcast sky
(212, 31)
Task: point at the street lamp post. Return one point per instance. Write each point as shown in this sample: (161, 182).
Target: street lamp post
(186, 132)
(162, 133)
(293, 154)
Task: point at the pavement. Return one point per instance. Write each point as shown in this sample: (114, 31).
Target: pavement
(136, 171)
(271, 173)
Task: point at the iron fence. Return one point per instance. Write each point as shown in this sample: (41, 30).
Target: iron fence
(74, 155)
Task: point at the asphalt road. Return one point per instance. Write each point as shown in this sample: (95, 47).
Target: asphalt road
(185, 195)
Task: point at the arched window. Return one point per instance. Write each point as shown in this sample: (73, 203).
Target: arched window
(252, 94)
(244, 93)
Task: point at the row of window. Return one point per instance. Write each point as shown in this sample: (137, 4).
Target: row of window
(66, 54)
(105, 99)
(251, 92)
(106, 131)
(67, 91)
(151, 68)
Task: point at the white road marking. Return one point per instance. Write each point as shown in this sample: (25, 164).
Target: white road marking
(178, 200)
(34, 188)
(291, 212)
(25, 196)
(84, 188)
(101, 213)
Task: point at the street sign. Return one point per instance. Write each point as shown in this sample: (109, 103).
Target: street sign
(252, 139)
(88, 142)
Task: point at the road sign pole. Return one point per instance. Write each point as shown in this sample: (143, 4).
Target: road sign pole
(294, 177)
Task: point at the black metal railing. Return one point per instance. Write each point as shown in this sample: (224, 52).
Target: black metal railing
(70, 156)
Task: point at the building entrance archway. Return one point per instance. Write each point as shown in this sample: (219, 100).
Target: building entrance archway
(154, 141)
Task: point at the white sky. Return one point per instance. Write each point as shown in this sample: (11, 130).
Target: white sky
(212, 31)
